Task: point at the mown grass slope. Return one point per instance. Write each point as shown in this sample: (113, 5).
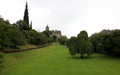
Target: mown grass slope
(55, 60)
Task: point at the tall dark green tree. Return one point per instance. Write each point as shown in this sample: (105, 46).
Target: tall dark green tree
(80, 45)
(84, 46)
(71, 44)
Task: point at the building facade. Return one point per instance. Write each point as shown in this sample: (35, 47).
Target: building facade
(54, 33)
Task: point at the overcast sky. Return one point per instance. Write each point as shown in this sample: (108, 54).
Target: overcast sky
(69, 16)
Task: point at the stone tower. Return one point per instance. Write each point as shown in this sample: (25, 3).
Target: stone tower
(26, 14)
(47, 28)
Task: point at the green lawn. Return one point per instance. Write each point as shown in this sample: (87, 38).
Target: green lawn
(55, 60)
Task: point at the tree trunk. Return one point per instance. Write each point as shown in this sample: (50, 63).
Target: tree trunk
(82, 55)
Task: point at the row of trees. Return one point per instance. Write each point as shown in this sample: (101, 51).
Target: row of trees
(17, 34)
(107, 43)
(12, 36)
(80, 45)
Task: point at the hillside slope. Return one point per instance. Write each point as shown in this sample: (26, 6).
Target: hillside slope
(55, 60)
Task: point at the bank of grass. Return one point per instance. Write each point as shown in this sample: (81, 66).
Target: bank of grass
(27, 46)
(24, 48)
(55, 60)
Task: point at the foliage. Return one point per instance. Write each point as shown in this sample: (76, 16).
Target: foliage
(4, 25)
(47, 37)
(36, 38)
(80, 45)
(18, 34)
(30, 36)
(63, 40)
(10, 36)
(47, 33)
(107, 43)
(22, 25)
(54, 38)
(71, 44)
(42, 39)
(18, 38)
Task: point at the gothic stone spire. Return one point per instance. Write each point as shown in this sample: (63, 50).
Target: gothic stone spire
(26, 17)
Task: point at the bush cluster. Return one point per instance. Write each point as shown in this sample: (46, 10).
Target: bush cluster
(18, 34)
(107, 43)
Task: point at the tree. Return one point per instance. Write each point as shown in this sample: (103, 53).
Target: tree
(71, 44)
(3, 25)
(84, 46)
(107, 43)
(16, 37)
(54, 38)
(95, 39)
(80, 45)
(63, 40)
(10, 36)
(47, 33)
(30, 35)
(42, 39)
(22, 25)
(4, 35)
(115, 41)
(3, 40)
